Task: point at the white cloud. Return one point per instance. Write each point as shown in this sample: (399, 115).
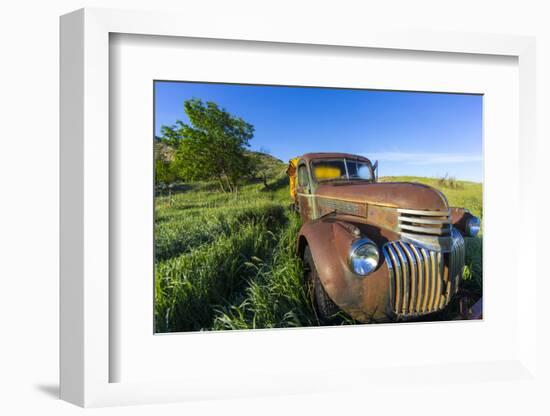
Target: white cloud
(424, 158)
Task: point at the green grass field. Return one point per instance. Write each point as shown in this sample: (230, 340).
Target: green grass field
(227, 261)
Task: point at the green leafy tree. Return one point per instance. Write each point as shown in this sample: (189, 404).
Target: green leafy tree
(171, 135)
(165, 173)
(166, 169)
(260, 168)
(213, 146)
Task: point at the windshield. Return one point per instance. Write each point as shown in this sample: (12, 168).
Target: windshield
(341, 169)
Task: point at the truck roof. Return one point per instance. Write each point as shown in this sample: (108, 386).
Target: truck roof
(331, 155)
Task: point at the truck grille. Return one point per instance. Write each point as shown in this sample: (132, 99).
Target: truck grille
(423, 281)
(430, 229)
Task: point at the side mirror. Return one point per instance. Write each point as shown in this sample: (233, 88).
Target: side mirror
(375, 170)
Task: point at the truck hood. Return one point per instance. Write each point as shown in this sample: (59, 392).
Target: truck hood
(405, 195)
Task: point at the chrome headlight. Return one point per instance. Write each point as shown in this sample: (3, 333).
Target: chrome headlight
(363, 257)
(472, 226)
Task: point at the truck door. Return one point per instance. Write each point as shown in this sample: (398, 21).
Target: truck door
(304, 194)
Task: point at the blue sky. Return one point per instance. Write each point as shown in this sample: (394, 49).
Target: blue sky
(410, 133)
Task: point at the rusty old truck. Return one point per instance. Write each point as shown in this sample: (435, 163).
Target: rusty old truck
(378, 251)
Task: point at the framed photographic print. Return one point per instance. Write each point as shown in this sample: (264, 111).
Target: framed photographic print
(275, 213)
(345, 232)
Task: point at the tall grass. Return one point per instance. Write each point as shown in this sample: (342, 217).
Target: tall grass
(206, 246)
(276, 295)
(190, 286)
(473, 272)
(187, 231)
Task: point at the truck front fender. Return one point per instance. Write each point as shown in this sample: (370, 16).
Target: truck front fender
(459, 219)
(365, 298)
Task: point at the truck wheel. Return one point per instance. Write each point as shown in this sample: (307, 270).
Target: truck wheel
(323, 304)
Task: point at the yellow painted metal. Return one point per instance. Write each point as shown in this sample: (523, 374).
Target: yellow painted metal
(291, 172)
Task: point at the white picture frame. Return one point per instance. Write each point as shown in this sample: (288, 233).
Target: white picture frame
(86, 356)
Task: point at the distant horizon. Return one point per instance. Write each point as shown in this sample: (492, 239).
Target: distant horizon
(409, 133)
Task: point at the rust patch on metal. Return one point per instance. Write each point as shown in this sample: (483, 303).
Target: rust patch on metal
(383, 216)
(326, 205)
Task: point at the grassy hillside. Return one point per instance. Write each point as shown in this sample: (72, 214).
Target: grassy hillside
(226, 261)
